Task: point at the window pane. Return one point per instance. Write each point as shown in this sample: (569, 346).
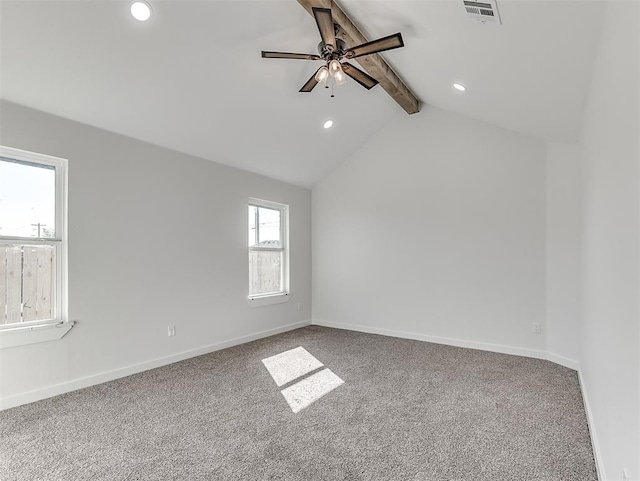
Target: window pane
(27, 200)
(269, 227)
(265, 272)
(27, 283)
(253, 234)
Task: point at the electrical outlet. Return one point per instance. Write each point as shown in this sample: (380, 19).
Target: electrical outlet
(537, 328)
(625, 476)
(171, 331)
(299, 306)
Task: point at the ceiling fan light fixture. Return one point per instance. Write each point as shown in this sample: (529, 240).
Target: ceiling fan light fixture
(459, 87)
(322, 74)
(334, 68)
(141, 11)
(332, 50)
(340, 77)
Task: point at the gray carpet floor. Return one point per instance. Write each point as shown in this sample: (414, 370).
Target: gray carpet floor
(407, 410)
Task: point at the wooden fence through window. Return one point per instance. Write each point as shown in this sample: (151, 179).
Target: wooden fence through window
(27, 274)
(265, 272)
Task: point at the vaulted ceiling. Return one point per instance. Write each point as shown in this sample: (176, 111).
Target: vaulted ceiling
(192, 79)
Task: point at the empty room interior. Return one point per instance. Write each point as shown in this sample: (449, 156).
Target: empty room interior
(317, 240)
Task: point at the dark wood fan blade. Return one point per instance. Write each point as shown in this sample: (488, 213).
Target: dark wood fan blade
(375, 46)
(359, 76)
(325, 26)
(298, 56)
(311, 83)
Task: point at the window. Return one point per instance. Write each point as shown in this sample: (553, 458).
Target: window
(268, 250)
(32, 241)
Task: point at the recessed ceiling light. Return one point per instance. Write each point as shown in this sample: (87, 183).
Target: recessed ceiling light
(328, 124)
(141, 11)
(460, 87)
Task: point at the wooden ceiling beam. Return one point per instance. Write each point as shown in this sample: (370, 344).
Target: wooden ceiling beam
(374, 64)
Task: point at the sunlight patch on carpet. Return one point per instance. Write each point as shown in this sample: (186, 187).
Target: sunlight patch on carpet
(294, 364)
(290, 365)
(310, 389)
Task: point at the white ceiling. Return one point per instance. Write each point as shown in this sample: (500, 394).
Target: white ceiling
(192, 79)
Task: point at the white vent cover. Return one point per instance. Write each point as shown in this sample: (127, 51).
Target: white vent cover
(485, 11)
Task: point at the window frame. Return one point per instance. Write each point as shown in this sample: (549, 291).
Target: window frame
(27, 332)
(283, 295)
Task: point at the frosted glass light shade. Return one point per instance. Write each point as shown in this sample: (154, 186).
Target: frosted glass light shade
(322, 75)
(334, 67)
(341, 78)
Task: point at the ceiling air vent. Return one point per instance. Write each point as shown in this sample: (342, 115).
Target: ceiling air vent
(485, 11)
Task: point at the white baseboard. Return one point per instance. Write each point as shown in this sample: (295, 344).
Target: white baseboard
(517, 351)
(563, 361)
(602, 476)
(74, 384)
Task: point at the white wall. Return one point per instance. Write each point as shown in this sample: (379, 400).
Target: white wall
(155, 238)
(435, 228)
(611, 288)
(563, 254)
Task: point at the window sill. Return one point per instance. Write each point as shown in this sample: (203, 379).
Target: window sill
(32, 334)
(268, 300)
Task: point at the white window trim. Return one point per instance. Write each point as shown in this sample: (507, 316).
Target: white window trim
(284, 295)
(269, 299)
(18, 334)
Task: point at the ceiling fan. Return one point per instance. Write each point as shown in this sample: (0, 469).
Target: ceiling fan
(333, 51)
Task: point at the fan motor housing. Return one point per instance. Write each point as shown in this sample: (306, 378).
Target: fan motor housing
(341, 48)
